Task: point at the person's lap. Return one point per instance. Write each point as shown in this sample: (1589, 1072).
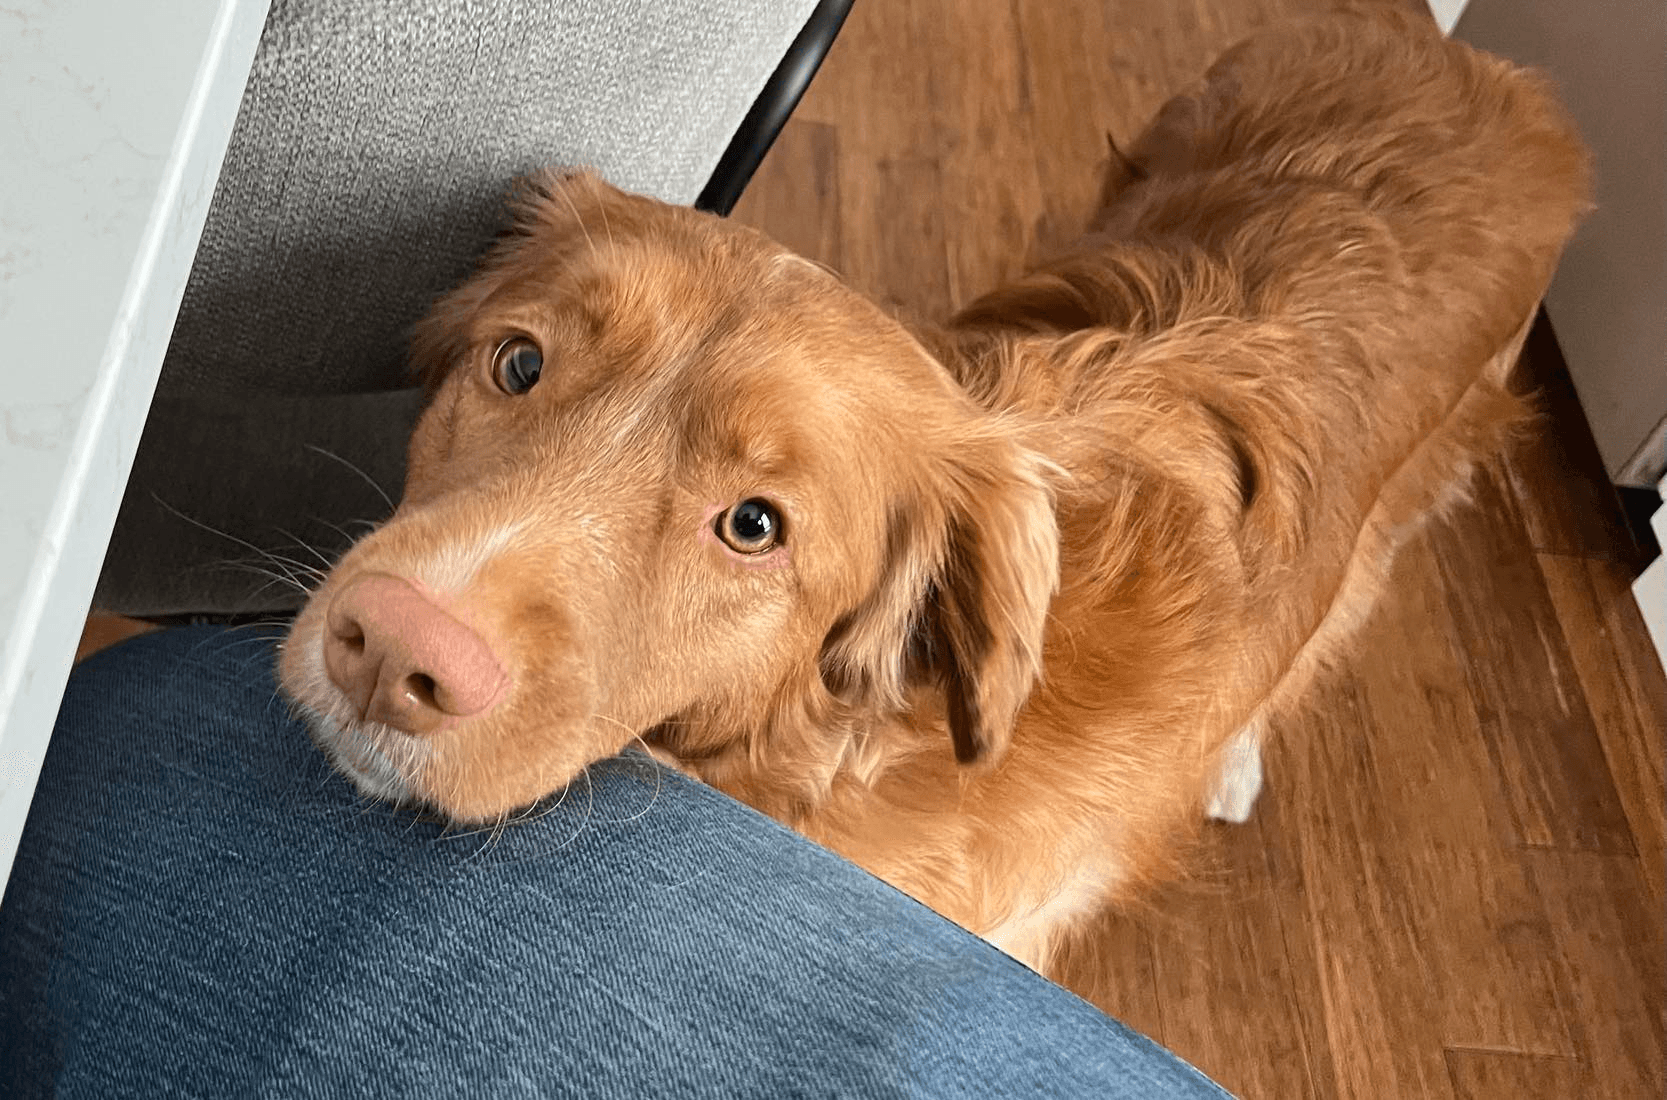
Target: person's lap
(201, 907)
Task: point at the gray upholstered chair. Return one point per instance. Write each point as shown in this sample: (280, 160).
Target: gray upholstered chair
(374, 144)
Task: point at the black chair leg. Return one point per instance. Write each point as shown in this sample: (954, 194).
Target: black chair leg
(770, 111)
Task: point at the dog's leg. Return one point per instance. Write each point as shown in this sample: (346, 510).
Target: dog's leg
(1241, 776)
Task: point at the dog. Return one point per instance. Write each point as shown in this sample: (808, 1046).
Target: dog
(997, 607)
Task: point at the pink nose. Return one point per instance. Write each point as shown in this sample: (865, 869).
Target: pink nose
(404, 661)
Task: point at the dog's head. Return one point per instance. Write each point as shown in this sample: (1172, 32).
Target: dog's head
(673, 482)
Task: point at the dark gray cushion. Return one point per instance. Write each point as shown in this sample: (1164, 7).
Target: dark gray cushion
(374, 144)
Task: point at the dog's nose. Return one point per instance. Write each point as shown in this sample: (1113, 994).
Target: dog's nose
(404, 661)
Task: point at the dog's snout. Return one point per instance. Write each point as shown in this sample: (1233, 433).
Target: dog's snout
(404, 661)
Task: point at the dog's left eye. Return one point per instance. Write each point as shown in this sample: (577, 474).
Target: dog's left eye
(751, 527)
(517, 365)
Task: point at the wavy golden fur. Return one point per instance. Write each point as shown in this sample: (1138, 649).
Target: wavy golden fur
(1038, 564)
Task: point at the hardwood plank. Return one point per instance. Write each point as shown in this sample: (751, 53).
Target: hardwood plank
(1111, 964)
(1133, 65)
(872, 82)
(1099, 69)
(1236, 1000)
(1069, 144)
(1640, 668)
(1610, 939)
(1568, 505)
(1282, 849)
(1623, 683)
(1375, 974)
(1447, 819)
(102, 631)
(1492, 952)
(1429, 752)
(980, 99)
(1489, 1075)
(794, 196)
(906, 268)
(1532, 712)
(893, 242)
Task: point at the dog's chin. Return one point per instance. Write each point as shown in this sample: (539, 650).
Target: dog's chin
(378, 761)
(381, 762)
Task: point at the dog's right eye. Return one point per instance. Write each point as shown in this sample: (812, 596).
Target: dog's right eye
(517, 365)
(751, 527)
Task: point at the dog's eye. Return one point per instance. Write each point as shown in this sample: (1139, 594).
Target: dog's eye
(517, 365)
(751, 527)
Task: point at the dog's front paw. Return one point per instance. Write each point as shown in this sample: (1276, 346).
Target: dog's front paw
(1240, 780)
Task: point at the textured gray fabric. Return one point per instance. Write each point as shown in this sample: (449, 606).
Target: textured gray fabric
(234, 492)
(376, 140)
(373, 147)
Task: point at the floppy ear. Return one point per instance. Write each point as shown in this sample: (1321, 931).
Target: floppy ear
(999, 574)
(971, 568)
(1121, 172)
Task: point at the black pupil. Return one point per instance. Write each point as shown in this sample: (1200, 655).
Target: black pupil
(522, 367)
(752, 521)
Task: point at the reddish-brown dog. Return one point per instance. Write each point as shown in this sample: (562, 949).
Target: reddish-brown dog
(983, 606)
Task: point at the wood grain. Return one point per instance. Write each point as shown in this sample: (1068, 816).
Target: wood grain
(102, 631)
(1491, 1075)
(1624, 688)
(1451, 822)
(1582, 517)
(794, 196)
(1610, 947)
(1121, 970)
(1233, 993)
(1533, 712)
(1381, 1001)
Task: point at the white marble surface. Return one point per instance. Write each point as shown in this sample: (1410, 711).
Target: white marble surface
(114, 118)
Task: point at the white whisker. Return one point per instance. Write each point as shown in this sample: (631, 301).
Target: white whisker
(386, 499)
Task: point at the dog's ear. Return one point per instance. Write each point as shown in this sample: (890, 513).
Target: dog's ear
(971, 568)
(989, 612)
(1122, 172)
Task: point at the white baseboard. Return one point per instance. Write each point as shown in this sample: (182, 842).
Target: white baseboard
(1447, 13)
(1650, 589)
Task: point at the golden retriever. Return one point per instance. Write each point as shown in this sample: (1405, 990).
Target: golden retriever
(993, 608)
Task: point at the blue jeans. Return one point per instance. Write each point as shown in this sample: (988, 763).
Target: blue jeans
(202, 908)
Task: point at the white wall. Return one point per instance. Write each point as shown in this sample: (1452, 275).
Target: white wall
(1609, 61)
(1447, 13)
(1650, 589)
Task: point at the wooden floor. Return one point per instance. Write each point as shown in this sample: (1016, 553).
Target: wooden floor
(1453, 886)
